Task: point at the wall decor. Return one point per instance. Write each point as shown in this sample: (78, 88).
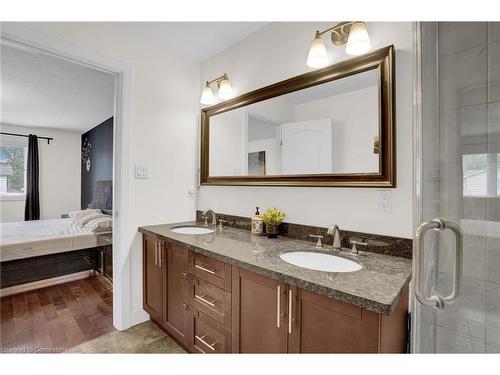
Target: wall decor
(86, 146)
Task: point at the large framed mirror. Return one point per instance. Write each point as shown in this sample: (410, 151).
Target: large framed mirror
(331, 127)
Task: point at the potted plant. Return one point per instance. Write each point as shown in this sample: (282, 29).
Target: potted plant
(272, 218)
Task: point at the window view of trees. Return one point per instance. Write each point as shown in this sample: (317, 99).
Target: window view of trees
(12, 168)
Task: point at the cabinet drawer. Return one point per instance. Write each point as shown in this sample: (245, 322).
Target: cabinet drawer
(208, 336)
(211, 270)
(210, 299)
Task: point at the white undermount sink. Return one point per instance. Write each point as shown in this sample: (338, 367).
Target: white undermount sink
(320, 261)
(192, 230)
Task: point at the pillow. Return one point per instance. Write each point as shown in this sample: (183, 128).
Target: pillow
(82, 213)
(101, 224)
(81, 221)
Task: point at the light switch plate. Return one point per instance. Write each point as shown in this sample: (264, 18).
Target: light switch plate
(141, 171)
(384, 200)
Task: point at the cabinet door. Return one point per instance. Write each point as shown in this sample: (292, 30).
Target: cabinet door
(324, 325)
(259, 308)
(153, 281)
(176, 302)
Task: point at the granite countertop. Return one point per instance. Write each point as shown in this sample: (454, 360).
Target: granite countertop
(377, 286)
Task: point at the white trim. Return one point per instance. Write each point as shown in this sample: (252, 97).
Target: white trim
(12, 196)
(14, 33)
(138, 316)
(44, 283)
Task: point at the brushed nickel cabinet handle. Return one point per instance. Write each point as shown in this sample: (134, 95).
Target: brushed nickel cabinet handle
(290, 311)
(204, 300)
(156, 253)
(160, 256)
(186, 306)
(210, 346)
(278, 307)
(184, 275)
(204, 269)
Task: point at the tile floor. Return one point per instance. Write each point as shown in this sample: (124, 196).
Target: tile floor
(142, 338)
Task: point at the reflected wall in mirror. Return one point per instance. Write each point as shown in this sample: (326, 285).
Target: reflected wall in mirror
(331, 127)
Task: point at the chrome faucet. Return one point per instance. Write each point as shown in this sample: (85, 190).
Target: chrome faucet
(204, 215)
(335, 231)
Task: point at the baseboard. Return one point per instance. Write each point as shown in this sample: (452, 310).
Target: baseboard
(138, 316)
(45, 283)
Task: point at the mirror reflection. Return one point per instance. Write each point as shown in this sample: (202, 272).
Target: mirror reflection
(324, 129)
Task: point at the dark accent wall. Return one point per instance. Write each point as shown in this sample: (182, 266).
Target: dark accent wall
(101, 160)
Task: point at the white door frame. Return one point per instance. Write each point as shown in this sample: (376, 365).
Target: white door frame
(123, 72)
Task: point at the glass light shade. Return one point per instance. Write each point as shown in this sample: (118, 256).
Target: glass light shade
(317, 57)
(225, 90)
(359, 41)
(207, 96)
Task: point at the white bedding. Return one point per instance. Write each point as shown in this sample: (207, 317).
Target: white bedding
(41, 237)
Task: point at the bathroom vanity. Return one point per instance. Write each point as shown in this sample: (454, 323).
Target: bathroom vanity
(228, 291)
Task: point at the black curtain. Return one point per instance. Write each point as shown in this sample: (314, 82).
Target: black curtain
(32, 207)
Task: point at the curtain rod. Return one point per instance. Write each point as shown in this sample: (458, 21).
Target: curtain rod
(26, 136)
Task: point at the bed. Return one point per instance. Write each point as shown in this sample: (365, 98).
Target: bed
(41, 249)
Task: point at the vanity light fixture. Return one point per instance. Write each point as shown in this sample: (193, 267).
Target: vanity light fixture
(224, 90)
(353, 33)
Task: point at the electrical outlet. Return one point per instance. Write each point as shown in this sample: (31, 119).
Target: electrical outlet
(384, 200)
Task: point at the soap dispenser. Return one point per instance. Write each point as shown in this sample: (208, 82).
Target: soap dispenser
(257, 223)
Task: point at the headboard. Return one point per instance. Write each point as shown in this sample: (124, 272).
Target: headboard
(102, 197)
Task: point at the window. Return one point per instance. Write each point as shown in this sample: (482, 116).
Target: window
(12, 170)
(481, 175)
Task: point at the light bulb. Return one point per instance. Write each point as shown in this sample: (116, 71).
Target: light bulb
(225, 90)
(359, 41)
(317, 56)
(207, 96)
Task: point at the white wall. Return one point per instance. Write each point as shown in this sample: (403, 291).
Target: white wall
(355, 125)
(279, 51)
(59, 174)
(165, 113)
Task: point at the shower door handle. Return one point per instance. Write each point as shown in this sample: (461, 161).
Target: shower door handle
(436, 300)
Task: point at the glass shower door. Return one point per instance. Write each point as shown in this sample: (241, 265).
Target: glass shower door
(457, 164)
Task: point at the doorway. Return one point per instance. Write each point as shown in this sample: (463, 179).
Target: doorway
(12, 33)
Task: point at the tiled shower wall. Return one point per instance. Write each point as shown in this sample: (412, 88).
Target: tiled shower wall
(467, 116)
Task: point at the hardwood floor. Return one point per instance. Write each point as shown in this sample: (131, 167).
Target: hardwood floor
(56, 318)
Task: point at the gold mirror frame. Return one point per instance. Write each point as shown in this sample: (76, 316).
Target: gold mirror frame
(382, 60)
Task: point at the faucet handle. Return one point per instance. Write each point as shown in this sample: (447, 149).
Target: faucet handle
(354, 243)
(319, 237)
(220, 223)
(206, 219)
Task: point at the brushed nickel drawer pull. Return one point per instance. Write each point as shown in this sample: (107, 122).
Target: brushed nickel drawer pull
(204, 300)
(211, 346)
(160, 255)
(278, 307)
(156, 253)
(290, 311)
(204, 269)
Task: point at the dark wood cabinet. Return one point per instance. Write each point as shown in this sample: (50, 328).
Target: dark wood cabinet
(324, 325)
(206, 335)
(260, 314)
(176, 308)
(209, 306)
(273, 317)
(153, 277)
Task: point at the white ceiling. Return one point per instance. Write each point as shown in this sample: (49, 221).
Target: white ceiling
(39, 90)
(195, 40)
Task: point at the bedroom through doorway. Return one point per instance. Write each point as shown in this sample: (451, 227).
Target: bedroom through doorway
(56, 195)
